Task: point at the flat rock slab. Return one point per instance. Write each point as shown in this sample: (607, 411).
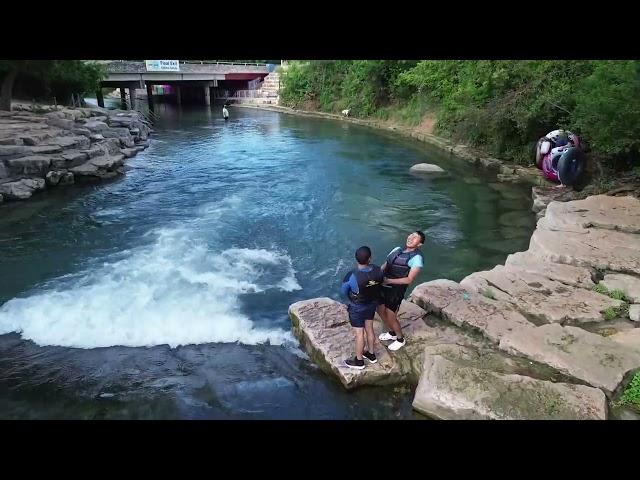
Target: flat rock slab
(322, 326)
(451, 389)
(21, 189)
(630, 285)
(539, 298)
(591, 358)
(40, 149)
(594, 248)
(567, 274)
(629, 338)
(597, 211)
(33, 164)
(466, 308)
(425, 168)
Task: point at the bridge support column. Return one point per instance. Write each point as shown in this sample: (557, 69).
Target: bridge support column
(132, 94)
(100, 98)
(150, 96)
(123, 99)
(207, 95)
(178, 95)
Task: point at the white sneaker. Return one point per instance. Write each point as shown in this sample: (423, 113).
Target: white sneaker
(386, 336)
(397, 345)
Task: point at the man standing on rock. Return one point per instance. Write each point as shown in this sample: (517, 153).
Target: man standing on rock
(400, 270)
(362, 285)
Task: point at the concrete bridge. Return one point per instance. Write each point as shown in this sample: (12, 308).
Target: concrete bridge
(193, 78)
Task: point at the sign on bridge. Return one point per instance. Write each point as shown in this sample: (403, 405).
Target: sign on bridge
(162, 65)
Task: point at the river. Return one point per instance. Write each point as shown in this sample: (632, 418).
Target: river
(164, 294)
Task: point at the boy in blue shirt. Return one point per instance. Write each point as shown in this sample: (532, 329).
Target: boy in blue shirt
(362, 286)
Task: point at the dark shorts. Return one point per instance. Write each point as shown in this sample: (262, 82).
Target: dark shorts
(392, 296)
(359, 312)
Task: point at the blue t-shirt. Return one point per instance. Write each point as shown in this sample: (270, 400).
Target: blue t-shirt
(416, 260)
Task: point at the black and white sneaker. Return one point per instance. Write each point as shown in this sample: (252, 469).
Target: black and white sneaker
(370, 356)
(354, 363)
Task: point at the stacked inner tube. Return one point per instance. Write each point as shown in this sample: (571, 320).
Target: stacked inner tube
(563, 163)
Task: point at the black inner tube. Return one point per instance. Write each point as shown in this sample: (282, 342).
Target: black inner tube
(570, 166)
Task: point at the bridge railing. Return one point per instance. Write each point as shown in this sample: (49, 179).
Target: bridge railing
(201, 62)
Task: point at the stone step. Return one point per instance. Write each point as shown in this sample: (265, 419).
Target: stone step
(585, 356)
(457, 384)
(568, 274)
(596, 360)
(465, 308)
(538, 298)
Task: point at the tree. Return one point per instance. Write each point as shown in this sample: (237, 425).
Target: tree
(58, 77)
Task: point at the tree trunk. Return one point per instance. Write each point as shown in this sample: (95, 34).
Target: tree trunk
(7, 88)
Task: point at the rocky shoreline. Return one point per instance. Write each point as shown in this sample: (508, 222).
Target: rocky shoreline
(530, 339)
(47, 147)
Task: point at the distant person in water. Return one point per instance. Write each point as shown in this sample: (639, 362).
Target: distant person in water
(225, 112)
(400, 270)
(362, 286)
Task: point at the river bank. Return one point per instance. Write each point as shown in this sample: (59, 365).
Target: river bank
(50, 146)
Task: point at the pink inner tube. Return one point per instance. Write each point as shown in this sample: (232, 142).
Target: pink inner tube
(547, 169)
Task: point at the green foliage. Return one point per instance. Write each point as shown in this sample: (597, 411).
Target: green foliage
(631, 394)
(501, 106)
(44, 79)
(616, 293)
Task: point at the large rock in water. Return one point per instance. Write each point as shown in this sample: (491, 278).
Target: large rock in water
(539, 298)
(21, 189)
(322, 326)
(425, 168)
(456, 385)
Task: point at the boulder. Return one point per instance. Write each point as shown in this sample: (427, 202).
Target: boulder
(426, 168)
(129, 152)
(322, 326)
(21, 189)
(66, 179)
(95, 126)
(53, 177)
(634, 312)
(31, 165)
